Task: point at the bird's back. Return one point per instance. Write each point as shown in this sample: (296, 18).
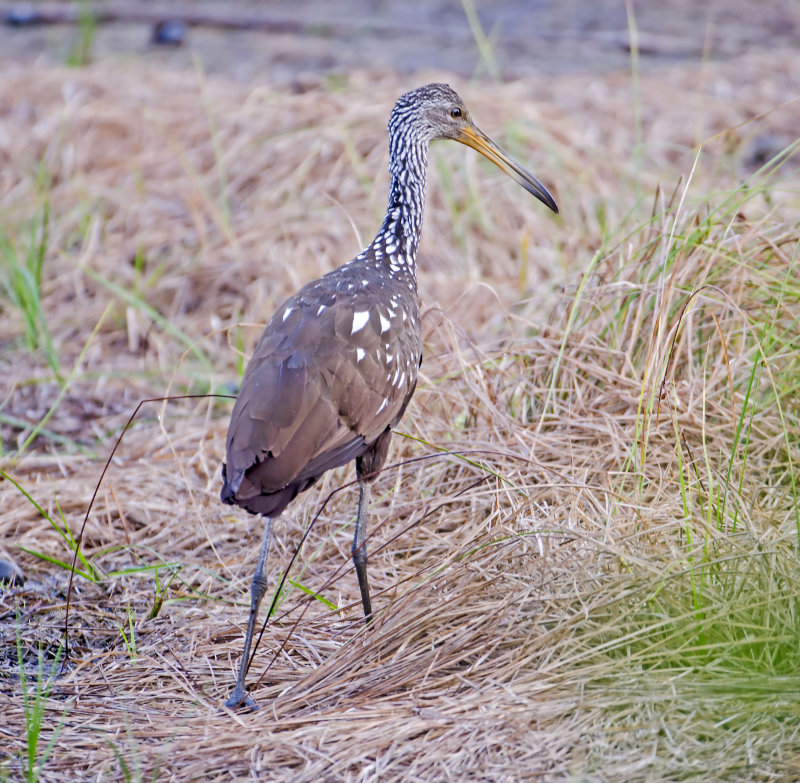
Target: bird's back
(335, 367)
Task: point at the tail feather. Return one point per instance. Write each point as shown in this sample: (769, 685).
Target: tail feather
(228, 492)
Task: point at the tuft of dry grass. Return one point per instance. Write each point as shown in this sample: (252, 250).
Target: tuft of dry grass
(584, 552)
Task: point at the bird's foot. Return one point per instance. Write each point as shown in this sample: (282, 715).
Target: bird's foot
(240, 698)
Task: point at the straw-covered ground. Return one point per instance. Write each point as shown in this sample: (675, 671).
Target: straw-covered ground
(584, 552)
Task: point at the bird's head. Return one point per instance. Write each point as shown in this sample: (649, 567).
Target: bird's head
(436, 111)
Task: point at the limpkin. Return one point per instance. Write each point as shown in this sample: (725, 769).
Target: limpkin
(337, 364)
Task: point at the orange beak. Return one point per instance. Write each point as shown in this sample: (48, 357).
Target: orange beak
(475, 138)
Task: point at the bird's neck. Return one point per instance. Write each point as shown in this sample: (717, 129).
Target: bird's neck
(395, 244)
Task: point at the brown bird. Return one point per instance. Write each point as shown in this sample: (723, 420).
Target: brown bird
(337, 363)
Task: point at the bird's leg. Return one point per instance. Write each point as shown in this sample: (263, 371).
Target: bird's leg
(257, 589)
(368, 466)
(360, 545)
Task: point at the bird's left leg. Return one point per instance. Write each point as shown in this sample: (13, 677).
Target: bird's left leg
(257, 589)
(368, 466)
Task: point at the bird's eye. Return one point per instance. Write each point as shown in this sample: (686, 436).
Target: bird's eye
(455, 112)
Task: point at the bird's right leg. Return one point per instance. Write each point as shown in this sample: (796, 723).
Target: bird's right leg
(359, 551)
(368, 466)
(257, 589)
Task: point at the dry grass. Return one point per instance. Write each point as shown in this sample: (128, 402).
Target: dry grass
(585, 554)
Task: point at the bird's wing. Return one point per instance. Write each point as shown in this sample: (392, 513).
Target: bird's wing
(317, 390)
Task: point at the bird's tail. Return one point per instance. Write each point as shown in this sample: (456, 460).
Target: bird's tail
(228, 493)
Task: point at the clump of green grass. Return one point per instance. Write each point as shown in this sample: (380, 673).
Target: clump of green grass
(35, 707)
(21, 271)
(693, 309)
(81, 52)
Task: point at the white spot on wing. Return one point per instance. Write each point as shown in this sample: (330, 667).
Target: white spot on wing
(385, 324)
(383, 405)
(360, 319)
(320, 309)
(287, 313)
(360, 354)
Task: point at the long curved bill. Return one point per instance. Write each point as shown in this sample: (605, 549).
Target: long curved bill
(478, 140)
